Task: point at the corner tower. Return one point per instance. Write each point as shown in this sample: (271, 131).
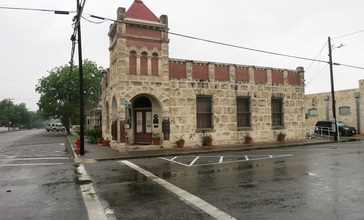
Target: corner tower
(138, 44)
(136, 87)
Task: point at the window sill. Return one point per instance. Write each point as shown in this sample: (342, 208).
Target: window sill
(203, 130)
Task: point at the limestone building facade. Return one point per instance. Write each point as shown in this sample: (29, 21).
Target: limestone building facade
(349, 107)
(146, 93)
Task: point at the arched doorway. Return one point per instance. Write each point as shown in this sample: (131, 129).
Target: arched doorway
(143, 120)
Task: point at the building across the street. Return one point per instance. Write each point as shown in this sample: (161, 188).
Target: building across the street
(93, 118)
(349, 107)
(147, 94)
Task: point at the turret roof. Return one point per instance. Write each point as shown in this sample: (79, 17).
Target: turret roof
(139, 10)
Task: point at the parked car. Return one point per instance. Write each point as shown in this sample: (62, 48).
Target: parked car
(55, 127)
(325, 127)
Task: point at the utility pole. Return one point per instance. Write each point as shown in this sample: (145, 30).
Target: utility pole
(82, 111)
(332, 91)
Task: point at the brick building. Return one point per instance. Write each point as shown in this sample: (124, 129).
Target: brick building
(146, 92)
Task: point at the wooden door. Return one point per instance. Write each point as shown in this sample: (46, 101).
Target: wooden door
(143, 127)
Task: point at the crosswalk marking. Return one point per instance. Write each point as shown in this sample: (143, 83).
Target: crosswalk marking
(34, 158)
(30, 164)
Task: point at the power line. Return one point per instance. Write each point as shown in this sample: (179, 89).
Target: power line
(236, 46)
(38, 9)
(10, 80)
(317, 74)
(318, 66)
(345, 35)
(202, 39)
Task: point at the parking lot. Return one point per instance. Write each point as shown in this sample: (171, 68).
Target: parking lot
(312, 182)
(209, 160)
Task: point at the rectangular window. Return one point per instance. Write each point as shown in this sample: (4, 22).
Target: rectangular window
(204, 112)
(312, 112)
(243, 111)
(277, 112)
(344, 110)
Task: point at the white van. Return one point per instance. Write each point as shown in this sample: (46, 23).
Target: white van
(55, 127)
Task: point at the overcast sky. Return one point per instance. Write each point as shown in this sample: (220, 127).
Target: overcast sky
(32, 42)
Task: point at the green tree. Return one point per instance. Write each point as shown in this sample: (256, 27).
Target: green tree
(60, 92)
(18, 115)
(36, 119)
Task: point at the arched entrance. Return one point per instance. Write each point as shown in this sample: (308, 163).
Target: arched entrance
(143, 120)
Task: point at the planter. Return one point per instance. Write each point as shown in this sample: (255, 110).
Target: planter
(248, 140)
(99, 140)
(281, 137)
(106, 143)
(180, 143)
(156, 140)
(208, 143)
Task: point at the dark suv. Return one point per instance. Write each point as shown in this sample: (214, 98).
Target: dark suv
(325, 127)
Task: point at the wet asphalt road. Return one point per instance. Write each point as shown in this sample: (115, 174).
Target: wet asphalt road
(38, 178)
(311, 182)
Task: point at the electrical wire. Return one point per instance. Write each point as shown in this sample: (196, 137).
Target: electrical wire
(345, 35)
(76, 21)
(237, 46)
(317, 74)
(196, 38)
(37, 9)
(318, 66)
(18, 81)
(94, 22)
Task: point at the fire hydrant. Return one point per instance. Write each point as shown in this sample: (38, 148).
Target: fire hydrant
(77, 142)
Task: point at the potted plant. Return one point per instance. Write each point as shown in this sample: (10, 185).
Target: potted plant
(93, 134)
(180, 142)
(207, 140)
(99, 140)
(98, 134)
(248, 139)
(106, 143)
(156, 138)
(281, 136)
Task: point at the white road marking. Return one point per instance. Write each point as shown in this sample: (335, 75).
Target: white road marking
(94, 208)
(183, 195)
(312, 174)
(194, 161)
(34, 158)
(30, 164)
(173, 158)
(221, 159)
(246, 159)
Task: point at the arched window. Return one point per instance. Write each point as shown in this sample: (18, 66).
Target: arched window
(155, 65)
(144, 64)
(132, 63)
(312, 112)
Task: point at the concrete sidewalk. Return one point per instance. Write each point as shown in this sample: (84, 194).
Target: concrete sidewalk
(96, 152)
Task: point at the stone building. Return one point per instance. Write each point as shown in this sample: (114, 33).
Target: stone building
(147, 93)
(349, 107)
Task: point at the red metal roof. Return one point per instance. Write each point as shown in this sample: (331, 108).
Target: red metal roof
(140, 11)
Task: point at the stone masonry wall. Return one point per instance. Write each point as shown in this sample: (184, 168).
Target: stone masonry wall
(183, 92)
(344, 98)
